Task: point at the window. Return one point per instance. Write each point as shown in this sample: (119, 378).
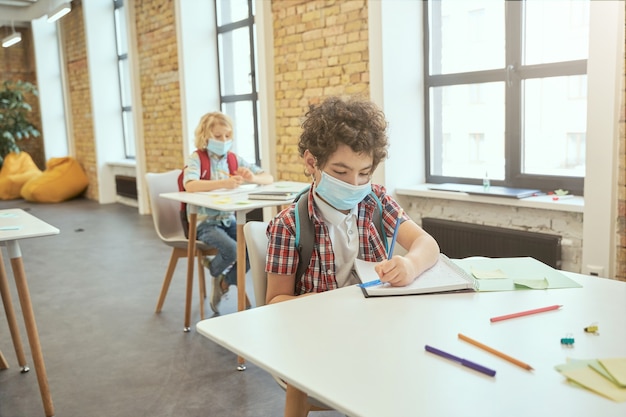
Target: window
(237, 70)
(121, 42)
(511, 77)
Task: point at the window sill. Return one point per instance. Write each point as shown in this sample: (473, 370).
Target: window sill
(573, 204)
(126, 163)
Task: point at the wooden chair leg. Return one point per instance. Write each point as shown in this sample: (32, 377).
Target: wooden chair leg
(5, 293)
(296, 403)
(201, 256)
(3, 362)
(201, 284)
(168, 278)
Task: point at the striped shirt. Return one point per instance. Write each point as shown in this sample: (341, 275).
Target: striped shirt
(282, 256)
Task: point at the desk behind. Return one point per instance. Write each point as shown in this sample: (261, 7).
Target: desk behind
(365, 357)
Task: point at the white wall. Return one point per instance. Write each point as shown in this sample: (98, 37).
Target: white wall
(104, 88)
(396, 73)
(197, 56)
(605, 86)
(50, 86)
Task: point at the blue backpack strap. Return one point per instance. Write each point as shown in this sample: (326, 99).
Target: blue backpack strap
(304, 227)
(378, 221)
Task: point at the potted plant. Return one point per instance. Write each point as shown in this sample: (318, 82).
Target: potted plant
(14, 109)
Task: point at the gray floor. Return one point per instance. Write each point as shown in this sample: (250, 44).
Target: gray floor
(94, 288)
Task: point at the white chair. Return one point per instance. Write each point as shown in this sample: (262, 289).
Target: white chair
(297, 403)
(166, 217)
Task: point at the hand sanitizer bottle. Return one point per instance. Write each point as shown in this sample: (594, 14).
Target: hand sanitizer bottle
(486, 182)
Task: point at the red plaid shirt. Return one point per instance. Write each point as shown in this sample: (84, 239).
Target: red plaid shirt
(282, 256)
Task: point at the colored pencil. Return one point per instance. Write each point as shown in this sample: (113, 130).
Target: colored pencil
(495, 352)
(524, 313)
(464, 362)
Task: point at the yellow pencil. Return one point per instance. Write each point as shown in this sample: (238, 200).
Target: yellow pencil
(495, 352)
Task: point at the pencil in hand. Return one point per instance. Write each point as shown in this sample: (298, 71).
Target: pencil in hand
(395, 233)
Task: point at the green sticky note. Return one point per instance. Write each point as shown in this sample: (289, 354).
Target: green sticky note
(535, 284)
(488, 274)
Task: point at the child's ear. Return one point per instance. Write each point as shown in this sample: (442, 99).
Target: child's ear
(309, 162)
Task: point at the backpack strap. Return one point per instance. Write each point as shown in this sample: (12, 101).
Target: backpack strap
(233, 165)
(205, 164)
(305, 234)
(378, 221)
(305, 230)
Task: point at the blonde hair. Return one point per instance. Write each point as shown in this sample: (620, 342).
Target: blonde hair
(204, 129)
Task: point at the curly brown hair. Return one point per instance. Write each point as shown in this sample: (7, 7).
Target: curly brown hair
(360, 124)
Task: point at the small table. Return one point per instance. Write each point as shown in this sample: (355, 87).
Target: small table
(16, 224)
(227, 200)
(365, 356)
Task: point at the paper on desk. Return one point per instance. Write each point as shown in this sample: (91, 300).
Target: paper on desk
(523, 270)
(534, 284)
(616, 367)
(488, 274)
(444, 276)
(244, 188)
(594, 381)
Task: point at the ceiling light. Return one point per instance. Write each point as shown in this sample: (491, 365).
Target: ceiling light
(12, 39)
(59, 11)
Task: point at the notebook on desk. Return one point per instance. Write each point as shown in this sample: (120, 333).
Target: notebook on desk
(495, 191)
(444, 276)
(273, 195)
(471, 274)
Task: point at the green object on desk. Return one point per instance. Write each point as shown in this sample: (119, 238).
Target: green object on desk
(517, 274)
(533, 284)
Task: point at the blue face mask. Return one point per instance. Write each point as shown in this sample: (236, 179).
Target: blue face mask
(218, 147)
(340, 194)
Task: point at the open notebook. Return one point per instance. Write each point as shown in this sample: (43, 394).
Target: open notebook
(444, 276)
(471, 274)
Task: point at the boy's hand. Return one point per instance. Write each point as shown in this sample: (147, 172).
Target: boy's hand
(398, 271)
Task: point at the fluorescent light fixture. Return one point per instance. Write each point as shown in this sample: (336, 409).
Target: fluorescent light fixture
(12, 39)
(59, 11)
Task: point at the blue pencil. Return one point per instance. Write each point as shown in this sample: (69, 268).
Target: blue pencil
(395, 234)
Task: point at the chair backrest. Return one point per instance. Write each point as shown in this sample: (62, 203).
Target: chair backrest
(256, 241)
(165, 212)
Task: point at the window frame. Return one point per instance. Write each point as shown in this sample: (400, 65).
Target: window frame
(513, 76)
(253, 96)
(126, 110)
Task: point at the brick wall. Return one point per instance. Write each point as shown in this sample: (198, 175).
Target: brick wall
(18, 63)
(160, 84)
(75, 53)
(320, 50)
(568, 225)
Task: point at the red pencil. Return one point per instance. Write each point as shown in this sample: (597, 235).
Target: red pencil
(525, 313)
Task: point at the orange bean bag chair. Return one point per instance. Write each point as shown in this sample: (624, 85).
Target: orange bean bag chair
(17, 170)
(62, 180)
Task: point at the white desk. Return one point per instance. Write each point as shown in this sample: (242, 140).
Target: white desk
(16, 224)
(227, 201)
(366, 357)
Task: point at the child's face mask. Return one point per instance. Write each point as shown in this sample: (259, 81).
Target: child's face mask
(340, 194)
(218, 147)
